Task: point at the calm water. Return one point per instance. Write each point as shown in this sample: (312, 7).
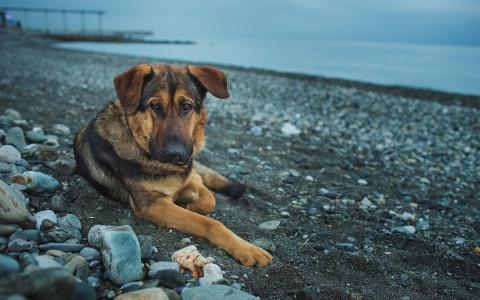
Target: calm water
(445, 68)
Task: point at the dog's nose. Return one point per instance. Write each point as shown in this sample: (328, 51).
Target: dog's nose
(176, 153)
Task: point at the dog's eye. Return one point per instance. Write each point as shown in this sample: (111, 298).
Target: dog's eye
(156, 107)
(186, 107)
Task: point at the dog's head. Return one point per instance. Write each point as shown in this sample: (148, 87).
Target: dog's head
(164, 107)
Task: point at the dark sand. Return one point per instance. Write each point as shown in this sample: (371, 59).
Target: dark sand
(419, 149)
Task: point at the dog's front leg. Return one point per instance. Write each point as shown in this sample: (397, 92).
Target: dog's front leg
(162, 211)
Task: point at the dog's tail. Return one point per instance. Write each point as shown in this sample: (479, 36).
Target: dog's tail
(219, 183)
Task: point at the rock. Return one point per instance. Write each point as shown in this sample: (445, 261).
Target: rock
(70, 220)
(346, 246)
(61, 129)
(13, 114)
(64, 166)
(132, 286)
(191, 259)
(270, 225)
(160, 266)
(146, 246)
(41, 152)
(289, 129)
(93, 281)
(5, 168)
(83, 291)
(9, 154)
(27, 261)
(52, 140)
(36, 181)
(422, 225)
(212, 272)
(66, 247)
(215, 292)
(121, 254)
(13, 207)
(40, 284)
(169, 278)
(59, 204)
(19, 245)
(367, 204)
(15, 297)
(15, 138)
(285, 214)
(95, 235)
(407, 230)
(145, 294)
(74, 262)
(47, 261)
(44, 215)
(90, 253)
(265, 244)
(36, 135)
(51, 232)
(203, 281)
(56, 253)
(362, 182)
(256, 131)
(6, 229)
(309, 178)
(8, 265)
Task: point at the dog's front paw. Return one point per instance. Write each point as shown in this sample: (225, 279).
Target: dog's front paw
(234, 190)
(249, 255)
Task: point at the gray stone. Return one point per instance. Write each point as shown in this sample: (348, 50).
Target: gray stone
(145, 294)
(95, 235)
(47, 261)
(8, 265)
(13, 207)
(121, 254)
(9, 154)
(6, 229)
(51, 232)
(146, 246)
(44, 215)
(269, 225)
(19, 245)
(265, 244)
(36, 181)
(40, 284)
(84, 291)
(61, 129)
(13, 114)
(132, 286)
(70, 220)
(5, 168)
(64, 166)
(160, 266)
(90, 253)
(36, 135)
(59, 204)
(407, 230)
(212, 272)
(346, 246)
(66, 247)
(93, 281)
(215, 292)
(16, 138)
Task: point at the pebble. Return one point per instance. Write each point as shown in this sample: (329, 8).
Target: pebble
(269, 225)
(47, 261)
(95, 235)
(51, 232)
(212, 272)
(146, 246)
(169, 278)
(289, 129)
(13, 207)
(40, 284)
(346, 246)
(422, 225)
(204, 281)
(59, 204)
(66, 247)
(294, 173)
(5, 168)
(309, 178)
(9, 154)
(61, 129)
(64, 166)
(16, 138)
(19, 245)
(132, 286)
(8, 265)
(407, 230)
(44, 215)
(36, 181)
(162, 265)
(215, 292)
(42, 152)
(13, 114)
(285, 214)
(36, 135)
(93, 281)
(150, 283)
(256, 131)
(121, 254)
(90, 253)
(6, 229)
(312, 211)
(70, 220)
(366, 204)
(265, 244)
(145, 294)
(362, 182)
(83, 291)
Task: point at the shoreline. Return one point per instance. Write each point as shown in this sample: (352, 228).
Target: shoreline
(444, 97)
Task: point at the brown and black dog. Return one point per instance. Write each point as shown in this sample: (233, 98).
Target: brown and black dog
(140, 150)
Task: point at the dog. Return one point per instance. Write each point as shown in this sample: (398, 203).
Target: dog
(140, 150)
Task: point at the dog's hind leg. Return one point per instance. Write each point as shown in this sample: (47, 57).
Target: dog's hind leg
(219, 183)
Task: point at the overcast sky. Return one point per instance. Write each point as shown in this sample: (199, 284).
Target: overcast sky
(399, 21)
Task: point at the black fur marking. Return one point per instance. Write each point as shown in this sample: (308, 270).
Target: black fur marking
(234, 190)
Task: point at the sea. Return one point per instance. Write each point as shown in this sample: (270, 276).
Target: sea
(437, 67)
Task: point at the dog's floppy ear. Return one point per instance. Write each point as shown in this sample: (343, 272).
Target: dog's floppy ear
(212, 79)
(129, 86)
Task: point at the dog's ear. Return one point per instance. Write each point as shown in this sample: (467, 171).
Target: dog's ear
(129, 86)
(212, 79)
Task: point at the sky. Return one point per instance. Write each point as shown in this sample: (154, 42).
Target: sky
(455, 22)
